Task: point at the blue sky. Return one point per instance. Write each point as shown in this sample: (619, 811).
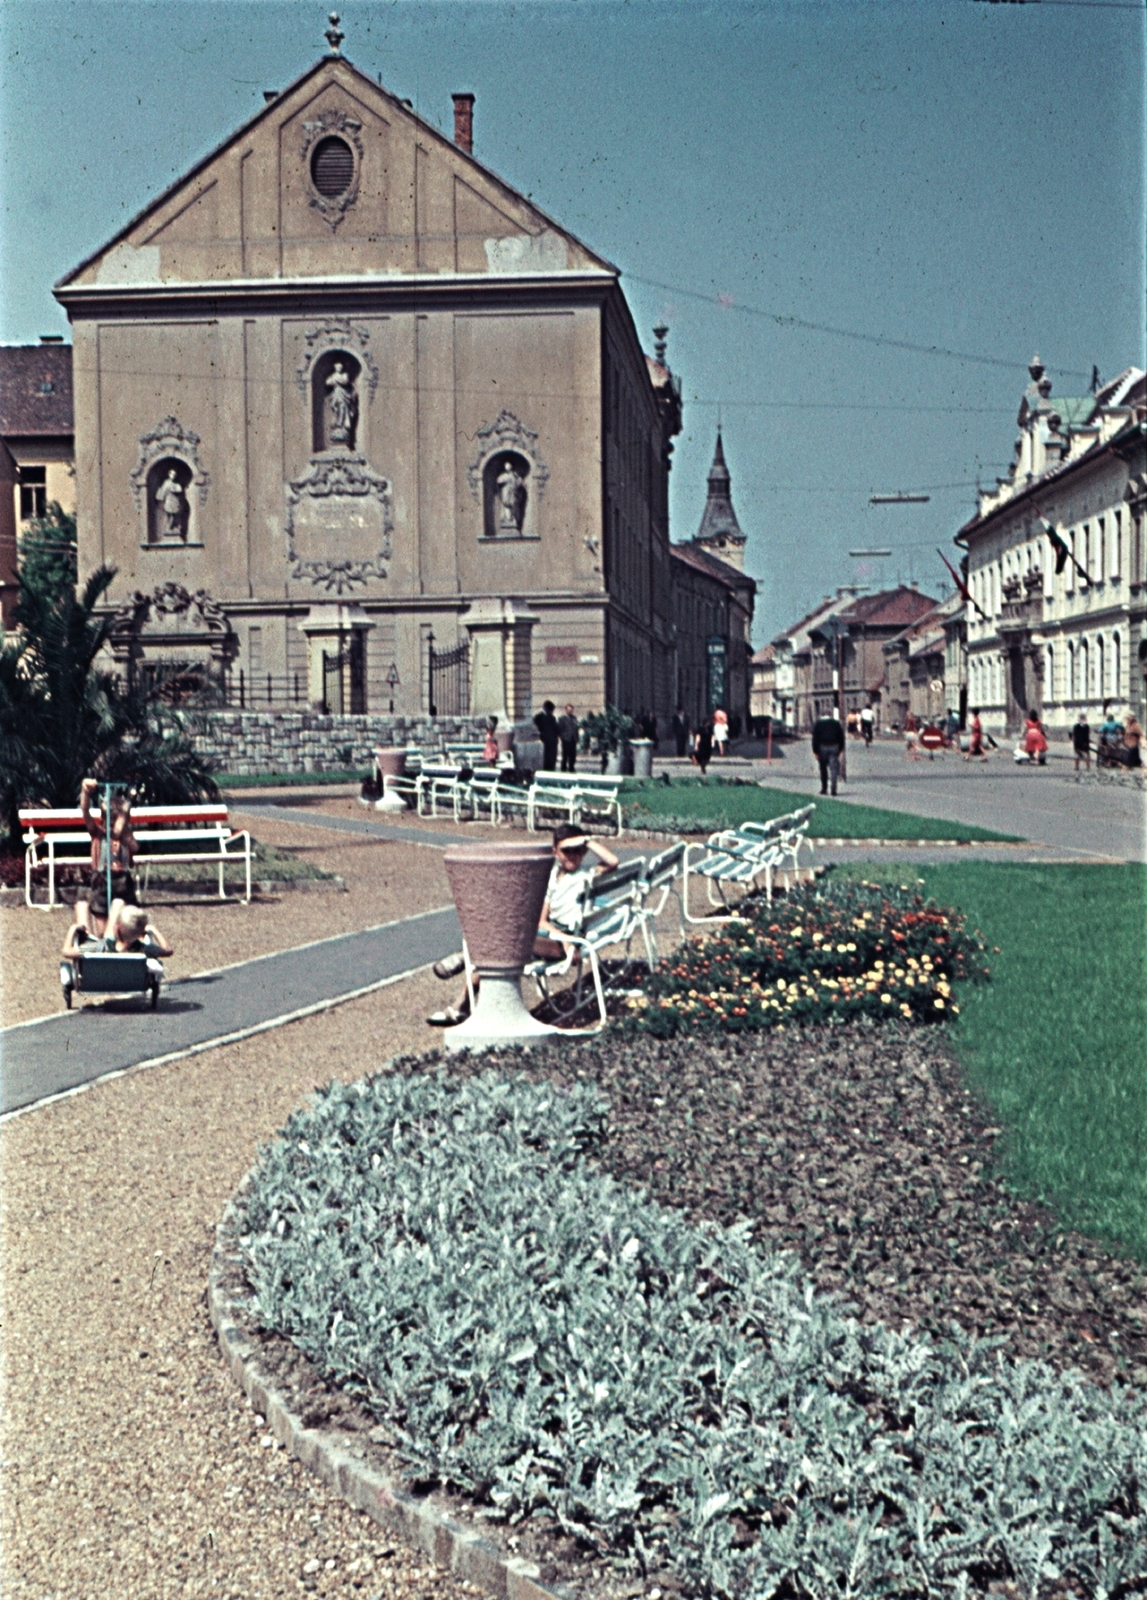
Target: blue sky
(942, 173)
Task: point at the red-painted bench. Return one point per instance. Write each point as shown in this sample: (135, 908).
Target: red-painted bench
(59, 838)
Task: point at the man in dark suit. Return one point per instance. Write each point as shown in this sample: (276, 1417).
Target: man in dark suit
(827, 744)
(547, 725)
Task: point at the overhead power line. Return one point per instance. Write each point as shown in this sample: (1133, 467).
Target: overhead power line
(784, 320)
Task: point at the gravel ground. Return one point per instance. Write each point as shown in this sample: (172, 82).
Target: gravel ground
(132, 1465)
(385, 880)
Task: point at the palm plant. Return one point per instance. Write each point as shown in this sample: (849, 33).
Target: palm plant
(63, 718)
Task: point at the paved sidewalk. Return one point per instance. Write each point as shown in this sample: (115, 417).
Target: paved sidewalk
(47, 1057)
(1045, 805)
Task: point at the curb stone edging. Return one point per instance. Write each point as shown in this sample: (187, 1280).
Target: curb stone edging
(462, 1550)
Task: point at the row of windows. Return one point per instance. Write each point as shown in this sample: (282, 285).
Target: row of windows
(1084, 669)
(1099, 546)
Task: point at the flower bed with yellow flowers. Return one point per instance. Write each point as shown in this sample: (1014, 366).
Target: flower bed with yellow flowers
(835, 950)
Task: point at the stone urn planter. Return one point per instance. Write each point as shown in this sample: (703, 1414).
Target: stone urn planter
(391, 763)
(642, 757)
(499, 890)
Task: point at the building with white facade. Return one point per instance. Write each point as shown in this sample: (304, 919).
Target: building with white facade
(1057, 564)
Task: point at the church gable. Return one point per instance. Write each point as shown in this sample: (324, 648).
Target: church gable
(334, 177)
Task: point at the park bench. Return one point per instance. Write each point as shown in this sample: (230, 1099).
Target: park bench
(405, 784)
(55, 838)
(613, 913)
(743, 855)
(658, 882)
(440, 783)
(577, 796)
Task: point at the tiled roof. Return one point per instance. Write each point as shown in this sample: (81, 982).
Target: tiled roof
(36, 390)
(713, 567)
(890, 608)
(765, 657)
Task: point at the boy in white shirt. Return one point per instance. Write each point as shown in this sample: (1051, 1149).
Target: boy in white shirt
(572, 873)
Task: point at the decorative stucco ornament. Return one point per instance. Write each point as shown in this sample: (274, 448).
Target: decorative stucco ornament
(333, 208)
(337, 333)
(169, 438)
(507, 432)
(344, 481)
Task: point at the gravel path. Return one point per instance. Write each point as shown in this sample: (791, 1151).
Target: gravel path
(132, 1467)
(385, 881)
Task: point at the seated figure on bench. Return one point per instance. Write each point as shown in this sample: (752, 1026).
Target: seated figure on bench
(578, 859)
(95, 914)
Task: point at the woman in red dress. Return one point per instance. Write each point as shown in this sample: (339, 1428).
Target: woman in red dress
(1035, 740)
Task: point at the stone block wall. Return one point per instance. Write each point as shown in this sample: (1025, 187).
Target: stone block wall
(251, 742)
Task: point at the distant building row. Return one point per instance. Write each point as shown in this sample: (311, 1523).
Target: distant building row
(1055, 564)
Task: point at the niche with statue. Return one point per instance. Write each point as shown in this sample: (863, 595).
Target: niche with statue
(507, 478)
(335, 402)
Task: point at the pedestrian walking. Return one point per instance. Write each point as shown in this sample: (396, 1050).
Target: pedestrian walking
(976, 739)
(1035, 740)
(567, 733)
(720, 731)
(827, 744)
(547, 725)
(1081, 741)
(703, 745)
(1132, 740)
(681, 730)
(867, 724)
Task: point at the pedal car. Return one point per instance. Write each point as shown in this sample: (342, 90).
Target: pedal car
(98, 971)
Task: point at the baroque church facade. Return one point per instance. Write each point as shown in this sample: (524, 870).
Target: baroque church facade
(349, 408)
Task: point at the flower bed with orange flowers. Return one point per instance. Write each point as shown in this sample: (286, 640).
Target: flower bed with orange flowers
(832, 950)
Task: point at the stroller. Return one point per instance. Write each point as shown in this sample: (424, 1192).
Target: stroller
(101, 971)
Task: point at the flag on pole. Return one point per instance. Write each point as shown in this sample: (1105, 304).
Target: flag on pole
(1062, 552)
(965, 592)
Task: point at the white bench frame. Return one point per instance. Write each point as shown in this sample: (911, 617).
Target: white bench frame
(572, 795)
(613, 913)
(208, 842)
(743, 855)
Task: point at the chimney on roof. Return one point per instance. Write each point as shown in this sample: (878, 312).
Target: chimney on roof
(464, 122)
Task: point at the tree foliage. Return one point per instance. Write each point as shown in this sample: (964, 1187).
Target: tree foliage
(64, 717)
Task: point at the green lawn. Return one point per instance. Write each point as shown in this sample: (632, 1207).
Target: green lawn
(1058, 1040)
(704, 805)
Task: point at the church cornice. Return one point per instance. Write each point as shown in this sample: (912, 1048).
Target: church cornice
(392, 290)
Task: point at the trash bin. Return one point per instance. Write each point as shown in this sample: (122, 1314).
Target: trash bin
(642, 757)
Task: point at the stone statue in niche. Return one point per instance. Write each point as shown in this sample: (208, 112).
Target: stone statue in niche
(510, 495)
(340, 411)
(171, 503)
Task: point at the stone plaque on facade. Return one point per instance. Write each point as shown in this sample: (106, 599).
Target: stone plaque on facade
(338, 523)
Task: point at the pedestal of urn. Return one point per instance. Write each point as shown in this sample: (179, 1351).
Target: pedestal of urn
(391, 763)
(499, 890)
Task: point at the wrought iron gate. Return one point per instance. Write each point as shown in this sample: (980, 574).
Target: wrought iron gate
(449, 680)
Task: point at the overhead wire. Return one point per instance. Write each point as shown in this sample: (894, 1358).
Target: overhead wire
(785, 320)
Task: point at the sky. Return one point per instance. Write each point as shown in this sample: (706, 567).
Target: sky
(859, 218)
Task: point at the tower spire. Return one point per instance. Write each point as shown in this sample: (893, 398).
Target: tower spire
(720, 532)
